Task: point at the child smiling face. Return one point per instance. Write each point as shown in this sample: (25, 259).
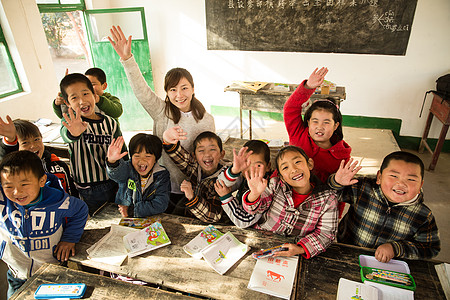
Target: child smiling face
(295, 171)
(143, 162)
(80, 96)
(208, 155)
(321, 127)
(400, 181)
(22, 187)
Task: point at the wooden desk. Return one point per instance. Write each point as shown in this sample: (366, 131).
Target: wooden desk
(318, 277)
(441, 109)
(98, 287)
(270, 100)
(171, 267)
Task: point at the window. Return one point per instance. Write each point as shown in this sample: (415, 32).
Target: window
(11, 84)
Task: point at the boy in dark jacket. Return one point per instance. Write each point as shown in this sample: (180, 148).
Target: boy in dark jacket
(144, 185)
(24, 135)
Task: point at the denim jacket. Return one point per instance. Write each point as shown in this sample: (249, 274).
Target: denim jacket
(155, 197)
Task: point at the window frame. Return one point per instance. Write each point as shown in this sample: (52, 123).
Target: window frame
(58, 7)
(12, 66)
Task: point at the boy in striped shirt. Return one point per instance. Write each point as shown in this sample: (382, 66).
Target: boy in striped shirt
(89, 135)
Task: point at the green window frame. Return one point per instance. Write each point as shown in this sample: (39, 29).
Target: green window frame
(59, 5)
(11, 68)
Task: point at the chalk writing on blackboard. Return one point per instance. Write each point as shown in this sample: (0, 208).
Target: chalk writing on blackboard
(343, 26)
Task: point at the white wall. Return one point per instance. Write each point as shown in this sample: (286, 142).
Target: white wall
(377, 85)
(25, 36)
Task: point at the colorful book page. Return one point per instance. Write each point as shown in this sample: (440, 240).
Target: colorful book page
(206, 237)
(147, 239)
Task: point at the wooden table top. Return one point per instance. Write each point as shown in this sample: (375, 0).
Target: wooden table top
(97, 287)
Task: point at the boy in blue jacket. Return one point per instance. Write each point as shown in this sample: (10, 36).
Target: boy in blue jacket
(39, 223)
(144, 185)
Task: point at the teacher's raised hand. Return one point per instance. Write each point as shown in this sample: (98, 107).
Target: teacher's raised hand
(121, 44)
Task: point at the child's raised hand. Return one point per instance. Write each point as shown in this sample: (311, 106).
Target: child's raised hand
(174, 134)
(293, 249)
(7, 129)
(240, 160)
(121, 44)
(74, 124)
(256, 182)
(115, 149)
(186, 188)
(316, 78)
(64, 250)
(384, 253)
(221, 188)
(346, 172)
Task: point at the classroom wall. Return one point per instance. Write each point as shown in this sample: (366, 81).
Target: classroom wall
(23, 30)
(377, 85)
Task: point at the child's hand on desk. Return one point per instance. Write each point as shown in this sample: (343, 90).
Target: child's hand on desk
(74, 124)
(221, 188)
(346, 172)
(64, 250)
(240, 160)
(292, 250)
(186, 188)
(115, 149)
(123, 211)
(384, 253)
(174, 134)
(7, 129)
(316, 78)
(256, 183)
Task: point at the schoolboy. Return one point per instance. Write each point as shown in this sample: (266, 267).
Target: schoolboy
(107, 104)
(256, 154)
(144, 185)
(201, 168)
(388, 213)
(24, 135)
(39, 224)
(88, 134)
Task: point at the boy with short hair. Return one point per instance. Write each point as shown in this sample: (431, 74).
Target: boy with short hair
(88, 134)
(24, 135)
(388, 213)
(202, 168)
(107, 104)
(254, 153)
(38, 224)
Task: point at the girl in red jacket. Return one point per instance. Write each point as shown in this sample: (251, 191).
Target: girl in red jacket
(320, 132)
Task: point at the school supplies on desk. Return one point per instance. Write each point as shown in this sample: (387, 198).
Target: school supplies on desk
(349, 290)
(224, 253)
(139, 223)
(206, 237)
(61, 291)
(268, 252)
(274, 276)
(147, 239)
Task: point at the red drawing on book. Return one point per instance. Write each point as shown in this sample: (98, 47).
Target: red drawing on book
(275, 277)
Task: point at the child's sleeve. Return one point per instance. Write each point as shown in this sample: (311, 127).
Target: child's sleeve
(65, 134)
(229, 178)
(325, 228)
(119, 171)
(145, 95)
(110, 105)
(349, 194)
(292, 111)
(182, 159)
(57, 110)
(159, 203)
(6, 148)
(237, 214)
(206, 204)
(76, 218)
(425, 243)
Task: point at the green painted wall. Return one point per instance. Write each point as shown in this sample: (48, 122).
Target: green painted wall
(404, 142)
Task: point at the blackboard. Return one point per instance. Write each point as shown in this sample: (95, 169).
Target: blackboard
(327, 26)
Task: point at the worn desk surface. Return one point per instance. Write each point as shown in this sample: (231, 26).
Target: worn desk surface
(318, 277)
(171, 267)
(98, 287)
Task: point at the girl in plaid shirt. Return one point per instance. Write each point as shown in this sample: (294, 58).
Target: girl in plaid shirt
(291, 203)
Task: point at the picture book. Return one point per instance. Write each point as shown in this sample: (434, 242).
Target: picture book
(110, 248)
(274, 276)
(147, 239)
(352, 290)
(206, 237)
(139, 223)
(224, 252)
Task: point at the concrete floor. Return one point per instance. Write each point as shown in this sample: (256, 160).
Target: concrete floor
(362, 141)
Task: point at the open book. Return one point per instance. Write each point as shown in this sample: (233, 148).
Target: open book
(139, 223)
(224, 253)
(147, 239)
(206, 237)
(274, 276)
